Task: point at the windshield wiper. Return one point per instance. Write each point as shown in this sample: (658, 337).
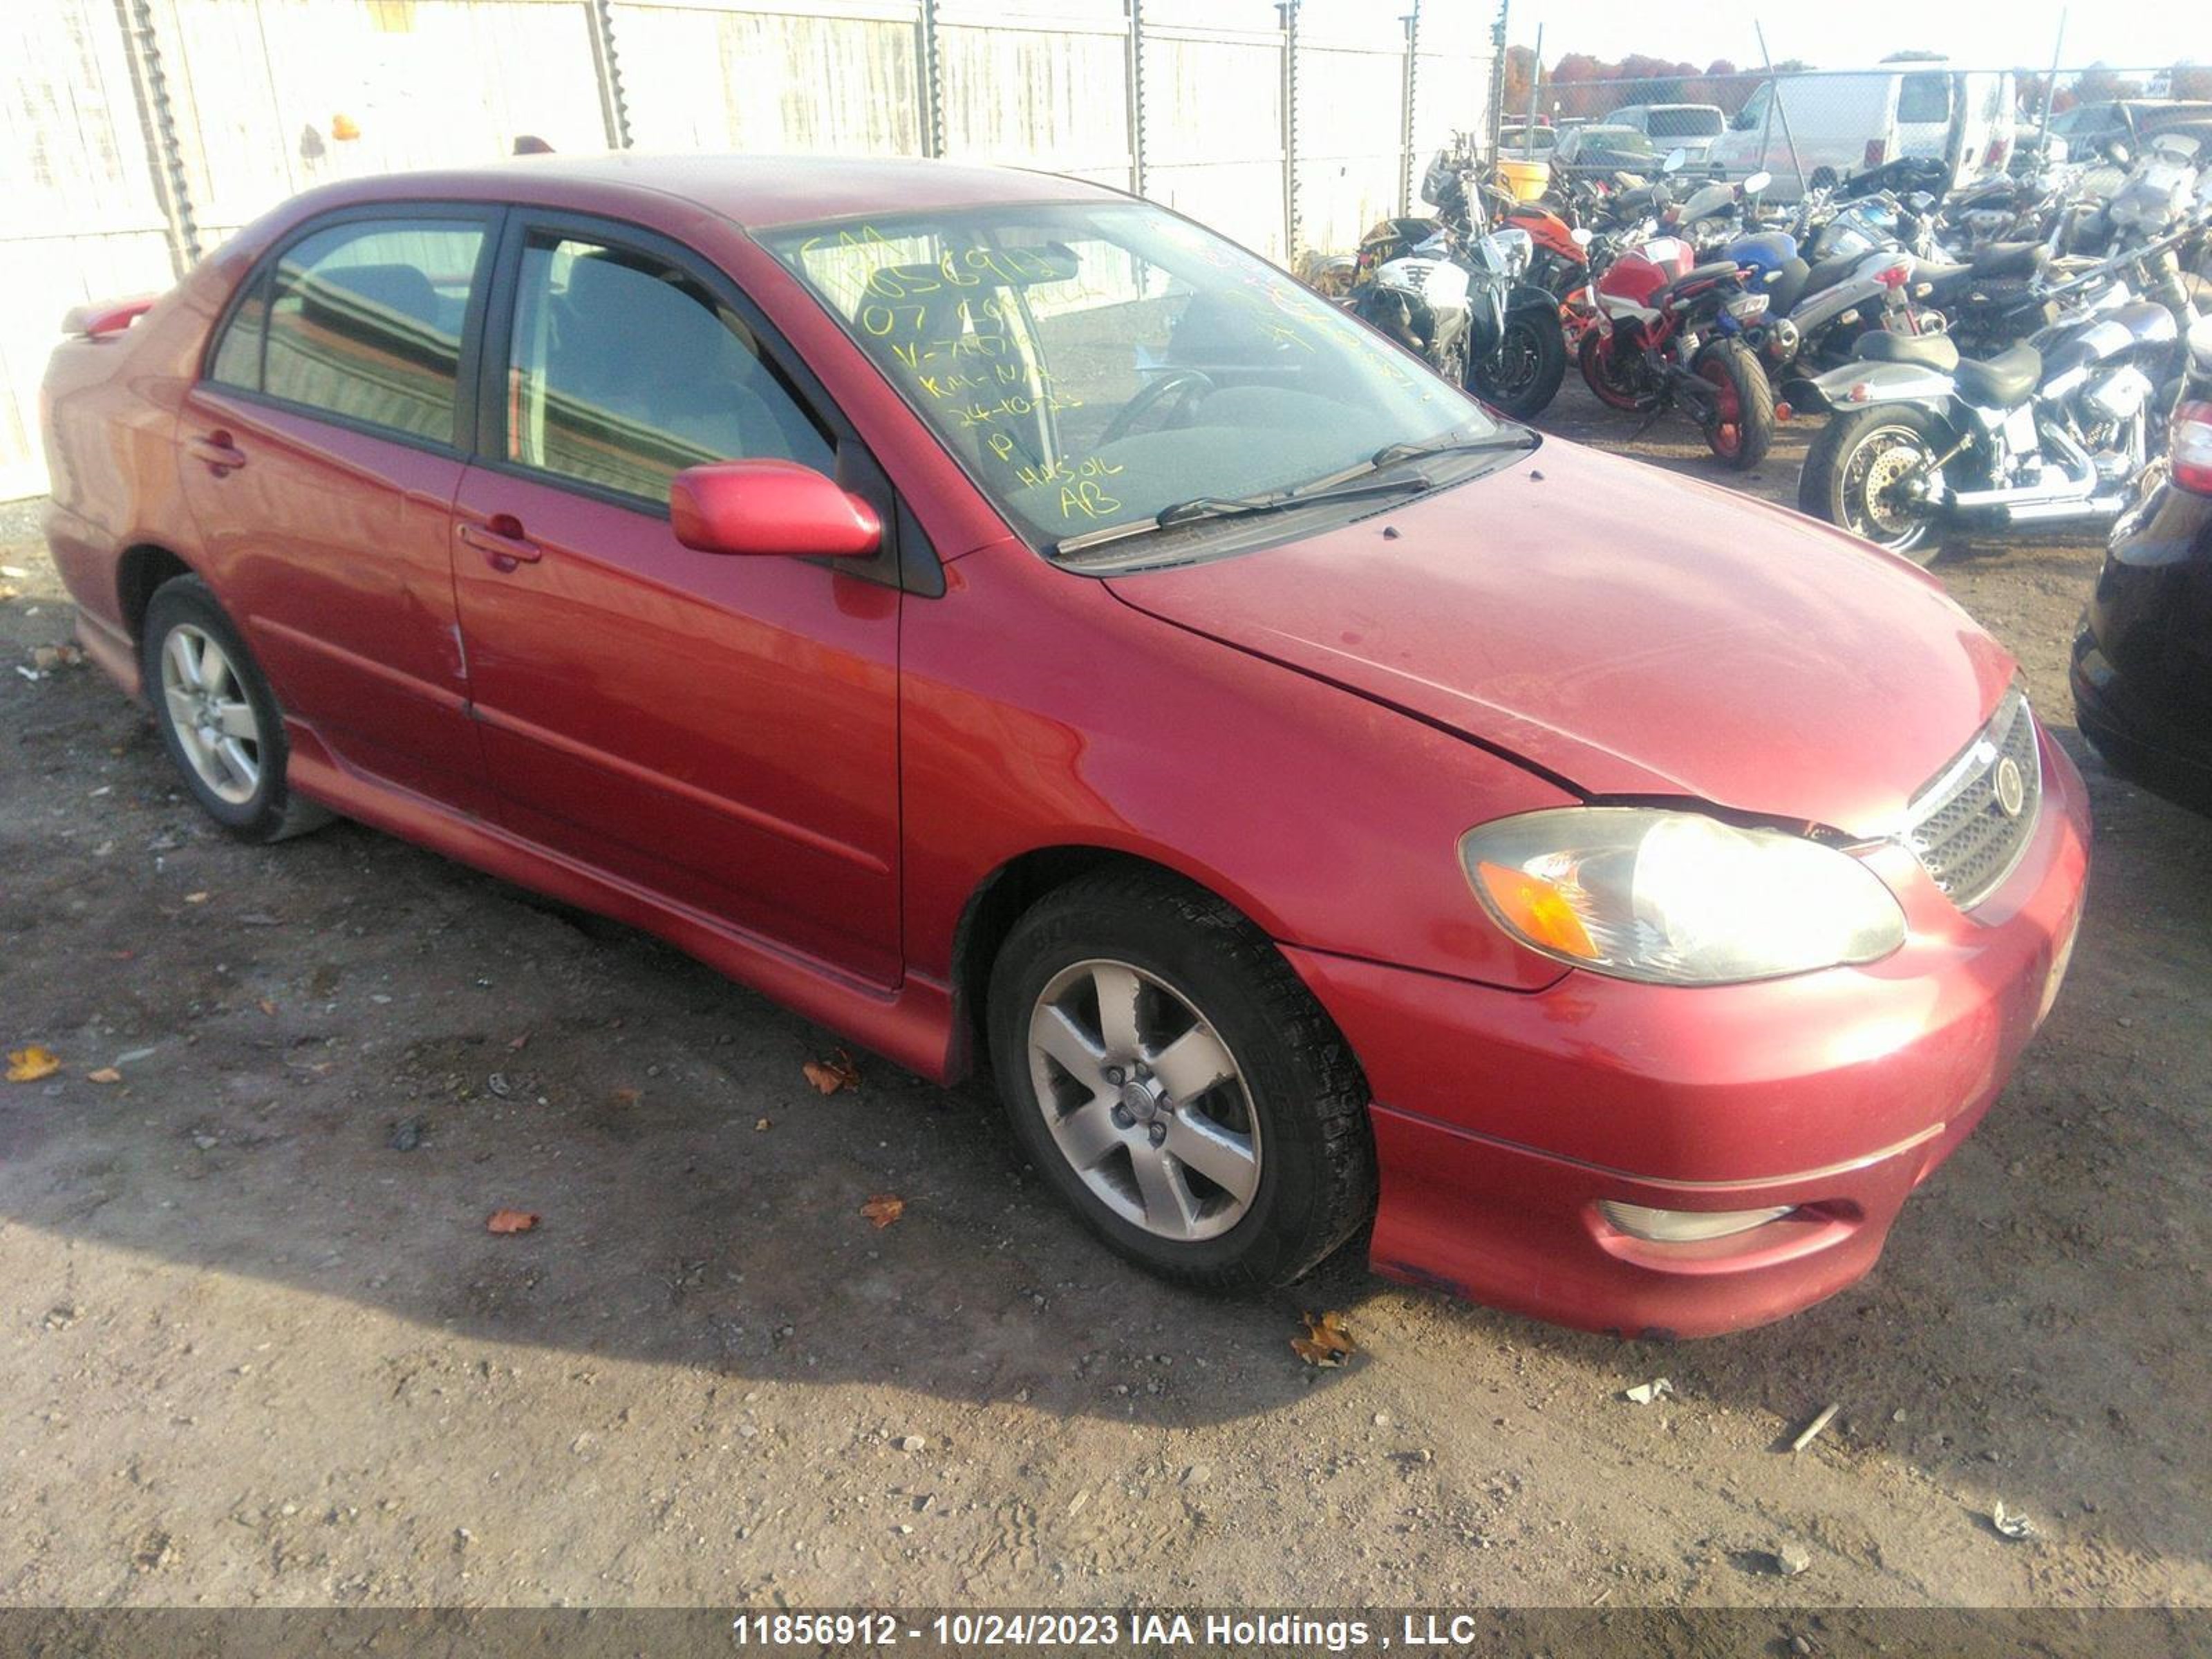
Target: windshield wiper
(1338, 489)
(1516, 437)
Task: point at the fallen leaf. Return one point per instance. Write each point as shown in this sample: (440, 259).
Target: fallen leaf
(514, 1045)
(195, 898)
(628, 1097)
(29, 1065)
(511, 1221)
(883, 1208)
(831, 1075)
(267, 1006)
(1325, 1343)
(760, 1126)
(104, 1074)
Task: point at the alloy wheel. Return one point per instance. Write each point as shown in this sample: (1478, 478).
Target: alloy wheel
(211, 714)
(1145, 1100)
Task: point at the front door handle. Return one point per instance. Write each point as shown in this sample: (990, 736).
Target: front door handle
(502, 542)
(216, 450)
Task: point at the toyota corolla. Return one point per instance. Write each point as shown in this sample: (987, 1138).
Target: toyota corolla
(1016, 628)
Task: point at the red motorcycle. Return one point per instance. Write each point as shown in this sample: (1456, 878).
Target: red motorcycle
(1668, 334)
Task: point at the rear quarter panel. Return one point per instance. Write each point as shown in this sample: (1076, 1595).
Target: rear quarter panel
(109, 411)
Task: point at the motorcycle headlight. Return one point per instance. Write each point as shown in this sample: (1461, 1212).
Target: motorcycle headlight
(1677, 898)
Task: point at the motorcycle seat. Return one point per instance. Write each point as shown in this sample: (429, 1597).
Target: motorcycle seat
(1933, 351)
(1692, 278)
(1827, 273)
(2002, 381)
(2010, 260)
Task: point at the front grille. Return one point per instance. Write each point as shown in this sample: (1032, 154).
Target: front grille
(1970, 825)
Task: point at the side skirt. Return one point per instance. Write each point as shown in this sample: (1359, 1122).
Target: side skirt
(911, 1026)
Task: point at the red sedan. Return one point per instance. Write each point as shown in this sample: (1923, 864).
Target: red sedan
(1013, 625)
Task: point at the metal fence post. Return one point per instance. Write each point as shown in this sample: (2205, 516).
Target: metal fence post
(613, 106)
(157, 117)
(1137, 97)
(1496, 101)
(930, 81)
(1413, 20)
(1289, 11)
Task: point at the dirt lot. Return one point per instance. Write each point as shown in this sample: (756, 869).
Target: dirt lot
(254, 1354)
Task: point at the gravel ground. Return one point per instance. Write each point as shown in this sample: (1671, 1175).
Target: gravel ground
(256, 1353)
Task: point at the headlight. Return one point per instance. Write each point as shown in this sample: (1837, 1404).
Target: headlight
(1677, 898)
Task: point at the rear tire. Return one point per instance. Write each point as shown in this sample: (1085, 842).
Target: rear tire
(1853, 473)
(1284, 1125)
(219, 719)
(1610, 378)
(1742, 429)
(1522, 377)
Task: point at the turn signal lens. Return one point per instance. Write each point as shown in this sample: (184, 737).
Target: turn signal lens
(1537, 908)
(1677, 898)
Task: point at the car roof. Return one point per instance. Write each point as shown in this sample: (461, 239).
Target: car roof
(751, 191)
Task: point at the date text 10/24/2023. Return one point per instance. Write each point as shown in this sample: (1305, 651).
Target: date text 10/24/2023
(1103, 1631)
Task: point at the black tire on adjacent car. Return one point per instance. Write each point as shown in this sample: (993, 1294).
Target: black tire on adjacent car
(1291, 1095)
(219, 719)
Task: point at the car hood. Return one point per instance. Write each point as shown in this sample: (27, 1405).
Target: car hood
(1629, 631)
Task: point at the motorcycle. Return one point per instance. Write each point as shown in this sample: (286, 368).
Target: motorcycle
(1669, 334)
(1922, 440)
(1454, 292)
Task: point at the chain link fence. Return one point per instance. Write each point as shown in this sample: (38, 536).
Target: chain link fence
(140, 133)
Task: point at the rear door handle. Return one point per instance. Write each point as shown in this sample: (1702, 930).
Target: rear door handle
(217, 451)
(502, 542)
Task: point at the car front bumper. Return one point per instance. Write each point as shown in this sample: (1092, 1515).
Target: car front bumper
(1503, 1119)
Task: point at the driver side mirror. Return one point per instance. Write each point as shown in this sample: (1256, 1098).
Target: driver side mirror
(769, 507)
(1677, 159)
(1757, 182)
(1580, 236)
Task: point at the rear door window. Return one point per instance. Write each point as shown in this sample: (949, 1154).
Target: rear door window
(1923, 98)
(361, 320)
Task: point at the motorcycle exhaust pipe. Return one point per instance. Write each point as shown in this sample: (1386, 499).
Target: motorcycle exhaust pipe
(2080, 484)
(2095, 507)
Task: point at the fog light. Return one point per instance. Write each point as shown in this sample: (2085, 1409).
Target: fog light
(1685, 1227)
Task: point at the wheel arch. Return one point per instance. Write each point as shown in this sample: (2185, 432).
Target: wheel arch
(1001, 898)
(140, 570)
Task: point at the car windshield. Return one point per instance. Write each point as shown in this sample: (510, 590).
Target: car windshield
(1100, 366)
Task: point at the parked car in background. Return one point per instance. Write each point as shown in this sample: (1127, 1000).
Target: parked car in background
(1599, 151)
(2143, 658)
(2087, 128)
(1524, 143)
(997, 617)
(1690, 128)
(1813, 129)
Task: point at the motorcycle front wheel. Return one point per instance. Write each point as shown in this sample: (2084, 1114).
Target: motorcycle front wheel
(1741, 427)
(1522, 377)
(1611, 375)
(1863, 472)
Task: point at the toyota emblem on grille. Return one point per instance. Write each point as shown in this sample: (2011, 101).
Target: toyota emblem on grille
(2011, 787)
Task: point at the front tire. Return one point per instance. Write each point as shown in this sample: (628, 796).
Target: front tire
(1610, 374)
(219, 719)
(1741, 429)
(1177, 1084)
(1522, 377)
(1859, 473)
